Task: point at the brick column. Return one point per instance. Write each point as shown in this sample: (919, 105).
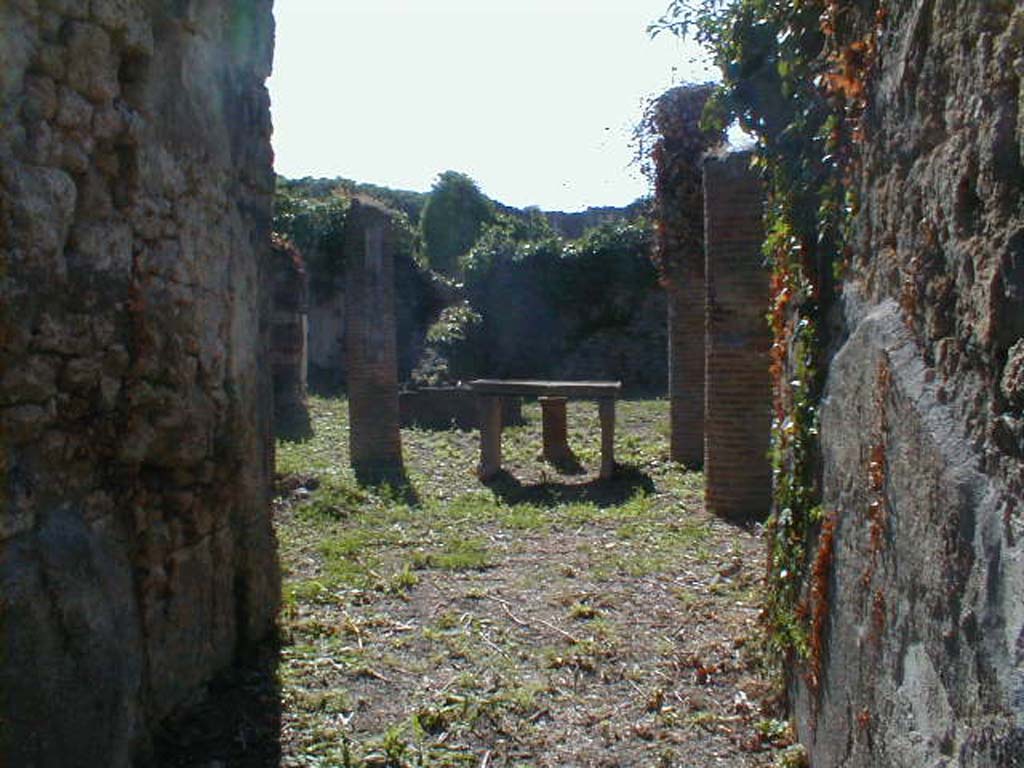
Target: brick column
(290, 286)
(738, 399)
(686, 365)
(371, 358)
(679, 257)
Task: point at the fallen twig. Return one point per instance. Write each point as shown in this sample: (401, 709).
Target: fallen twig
(504, 604)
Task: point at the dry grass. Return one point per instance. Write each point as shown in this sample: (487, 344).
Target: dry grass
(542, 620)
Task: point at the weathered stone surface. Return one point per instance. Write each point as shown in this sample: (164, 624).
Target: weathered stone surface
(136, 554)
(71, 630)
(923, 651)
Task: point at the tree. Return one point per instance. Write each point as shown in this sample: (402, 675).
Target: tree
(452, 220)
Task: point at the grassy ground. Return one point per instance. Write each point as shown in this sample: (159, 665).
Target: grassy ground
(544, 619)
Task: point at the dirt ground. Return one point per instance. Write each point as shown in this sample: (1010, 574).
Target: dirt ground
(543, 619)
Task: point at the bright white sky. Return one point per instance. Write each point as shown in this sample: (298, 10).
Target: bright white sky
(534, 99)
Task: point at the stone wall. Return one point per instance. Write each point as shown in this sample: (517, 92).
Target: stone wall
(633, 354)
(136, 553)
(738, 397)
(922, 659)
(326, 340)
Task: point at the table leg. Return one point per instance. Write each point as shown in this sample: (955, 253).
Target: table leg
(555, 429)
(490, 435)
(606, 413)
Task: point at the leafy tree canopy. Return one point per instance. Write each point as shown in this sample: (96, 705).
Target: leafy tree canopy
(452, 220)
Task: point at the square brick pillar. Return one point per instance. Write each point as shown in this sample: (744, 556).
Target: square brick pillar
(288, 333)
(685, 295)
(738, 400)
(371, 358)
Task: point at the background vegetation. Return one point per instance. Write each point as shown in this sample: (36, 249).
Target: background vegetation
(489, 290)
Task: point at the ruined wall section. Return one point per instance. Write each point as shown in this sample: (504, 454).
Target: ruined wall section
(922, 654)
(136, 554)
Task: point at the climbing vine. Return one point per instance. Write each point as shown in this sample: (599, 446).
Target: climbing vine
(795, 75)
(315, 224)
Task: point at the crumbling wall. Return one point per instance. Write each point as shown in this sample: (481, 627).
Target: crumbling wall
(136, 553)
(738, 395)
(921, 651)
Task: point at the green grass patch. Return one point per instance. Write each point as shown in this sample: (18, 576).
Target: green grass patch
(458, 554)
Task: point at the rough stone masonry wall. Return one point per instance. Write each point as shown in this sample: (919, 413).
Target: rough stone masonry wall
(737, 421)
(136, 554)
(923, 421)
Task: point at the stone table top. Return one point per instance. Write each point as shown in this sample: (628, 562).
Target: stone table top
(584, 389)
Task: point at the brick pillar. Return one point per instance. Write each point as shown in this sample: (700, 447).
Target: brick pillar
(679, 257)
(555, 429)
(738, 400)
(686, 365)
(371, 359)
(290, 284)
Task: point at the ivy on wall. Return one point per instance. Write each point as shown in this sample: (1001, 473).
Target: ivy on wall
(795, 76)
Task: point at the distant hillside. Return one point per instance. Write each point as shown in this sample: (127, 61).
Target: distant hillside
(569, 225)
(408, 202)
(573, 225)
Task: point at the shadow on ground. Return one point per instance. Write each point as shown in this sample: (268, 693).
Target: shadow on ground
(389, 482)
(627, 480)
(237, 724)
